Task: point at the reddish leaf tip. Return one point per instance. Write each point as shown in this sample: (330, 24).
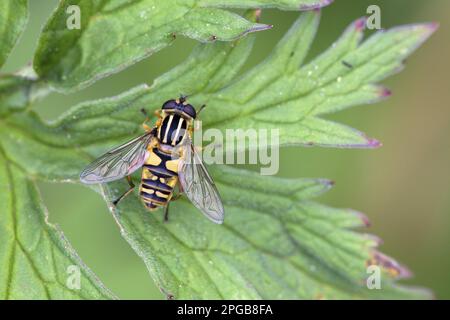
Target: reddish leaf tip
(364, 219)
(390, 265)
(327, 182)
(432, 26)
(428, 29)
(327, 2)
(385, 92)
(360, 24)
(373, 143)
(259, 27)
(316, 6)
(424, 29)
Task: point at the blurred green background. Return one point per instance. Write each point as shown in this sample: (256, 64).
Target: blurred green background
(403, 187)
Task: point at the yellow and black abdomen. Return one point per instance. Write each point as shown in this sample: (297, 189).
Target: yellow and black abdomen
(159, 177)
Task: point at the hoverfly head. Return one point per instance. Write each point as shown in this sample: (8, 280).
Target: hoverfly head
(180, 107)
(189, 110)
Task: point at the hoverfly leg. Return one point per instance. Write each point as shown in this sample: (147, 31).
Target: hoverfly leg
(166, 212)
(201, 108)
(146, 127)
(144, 112)
(147, 118)
(158, 122)
(178, 196)
(166, 208)
(131, 184)
(158, 113)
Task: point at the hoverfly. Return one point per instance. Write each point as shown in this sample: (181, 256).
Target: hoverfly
(168, 158)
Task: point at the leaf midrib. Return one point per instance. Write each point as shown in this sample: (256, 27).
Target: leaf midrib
(17, 242)
(16, 239)
(268, 106)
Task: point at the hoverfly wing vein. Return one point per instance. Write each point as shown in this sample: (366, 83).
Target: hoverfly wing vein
(119, 162)
(198, 185)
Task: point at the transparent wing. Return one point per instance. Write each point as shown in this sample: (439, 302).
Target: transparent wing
(198, 185)
(119, 162)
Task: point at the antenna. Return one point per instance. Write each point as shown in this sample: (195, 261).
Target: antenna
(183, 98)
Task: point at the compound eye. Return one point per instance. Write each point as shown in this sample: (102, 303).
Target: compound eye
(190, 111)
(170, 105)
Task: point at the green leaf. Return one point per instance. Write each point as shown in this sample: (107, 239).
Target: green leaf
(19, 91)
(36, 260)
(281, 93)
(281, 246)
(275, 242)
(285, 92)
(130, 31)
(13, 19)
(14, 93)
(283, 5)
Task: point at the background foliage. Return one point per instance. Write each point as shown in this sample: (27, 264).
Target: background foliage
(323, 166)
